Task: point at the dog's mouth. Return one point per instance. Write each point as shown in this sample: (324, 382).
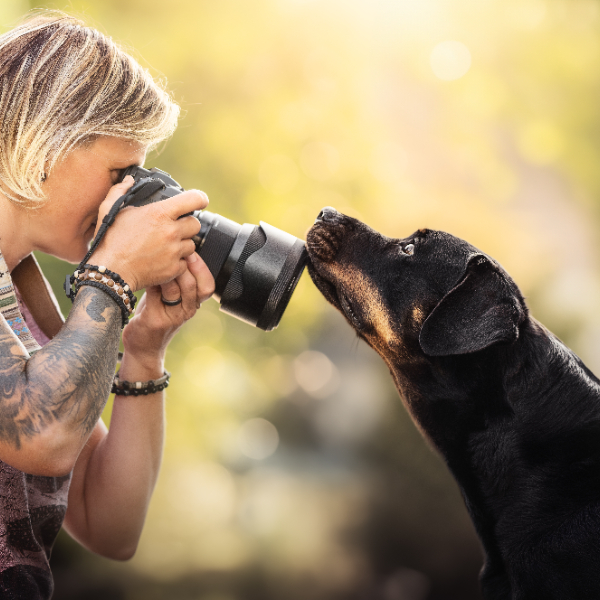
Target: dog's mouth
(323, 244)
(349, 310)
(337, 297)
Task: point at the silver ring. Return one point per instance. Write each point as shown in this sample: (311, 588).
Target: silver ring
(171, 302)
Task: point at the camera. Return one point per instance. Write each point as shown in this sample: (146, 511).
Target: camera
(256, 267)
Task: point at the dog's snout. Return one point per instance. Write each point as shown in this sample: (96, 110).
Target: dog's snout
(328, 214)
(324, 238)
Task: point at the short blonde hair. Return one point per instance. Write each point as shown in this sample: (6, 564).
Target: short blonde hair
(63, 84)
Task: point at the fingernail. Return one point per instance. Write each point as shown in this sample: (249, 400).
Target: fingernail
(192, 258)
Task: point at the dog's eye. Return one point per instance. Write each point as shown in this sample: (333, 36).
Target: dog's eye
(409, 249)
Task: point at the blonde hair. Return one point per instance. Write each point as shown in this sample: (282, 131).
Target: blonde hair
(63, 84)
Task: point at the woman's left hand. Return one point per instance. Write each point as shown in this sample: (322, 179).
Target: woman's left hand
(149, 332)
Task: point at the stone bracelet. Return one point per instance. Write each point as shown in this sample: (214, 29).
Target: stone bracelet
(140, 388)
(108, 281)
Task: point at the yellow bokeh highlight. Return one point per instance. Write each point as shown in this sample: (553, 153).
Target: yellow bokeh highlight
(540, 142)
(450, 60)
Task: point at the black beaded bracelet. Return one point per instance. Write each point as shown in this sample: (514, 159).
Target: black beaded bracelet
(140, 388)
(106, 280)
(103, 272)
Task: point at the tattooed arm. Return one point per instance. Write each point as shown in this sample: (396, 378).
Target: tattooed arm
(117, 469)
(50, 403)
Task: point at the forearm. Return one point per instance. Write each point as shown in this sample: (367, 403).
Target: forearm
(117, 471)
(107, 513)
(50, 403)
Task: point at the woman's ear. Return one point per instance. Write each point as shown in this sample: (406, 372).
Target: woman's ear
(485, 308)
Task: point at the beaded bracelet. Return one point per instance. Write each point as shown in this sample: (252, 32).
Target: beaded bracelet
(108, 281)
(139, 388)
(111, 279)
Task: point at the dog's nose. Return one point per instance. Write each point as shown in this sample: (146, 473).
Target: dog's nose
(327, 214)
(325, 236)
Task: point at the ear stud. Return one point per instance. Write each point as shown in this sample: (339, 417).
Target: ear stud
(409, 249)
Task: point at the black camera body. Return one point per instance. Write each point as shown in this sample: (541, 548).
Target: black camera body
(256, 267)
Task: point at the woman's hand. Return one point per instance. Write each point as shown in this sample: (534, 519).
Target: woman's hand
(147, 246)
(147, 335)
(117, 469)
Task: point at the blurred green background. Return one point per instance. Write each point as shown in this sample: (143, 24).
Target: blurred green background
(291, 468)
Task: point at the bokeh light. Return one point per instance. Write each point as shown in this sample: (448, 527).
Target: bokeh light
(316, 374)
(450, 60)
(257, 438)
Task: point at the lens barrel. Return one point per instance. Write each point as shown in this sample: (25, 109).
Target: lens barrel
(256, 267)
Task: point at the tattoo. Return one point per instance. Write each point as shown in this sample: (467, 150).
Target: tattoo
(95, 309)
(69, 379)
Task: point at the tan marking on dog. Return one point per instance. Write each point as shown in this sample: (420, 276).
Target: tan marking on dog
(363, 291)
(417, 315)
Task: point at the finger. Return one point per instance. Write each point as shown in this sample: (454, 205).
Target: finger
(170, 291)
(153, 295)
(184, 203)
(187, 285)
(115, 192)
(205, 283)
(152, 301)
(187, 247)
(142, 302)
(188, 227)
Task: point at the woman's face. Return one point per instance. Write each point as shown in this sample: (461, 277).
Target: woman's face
(65, 224)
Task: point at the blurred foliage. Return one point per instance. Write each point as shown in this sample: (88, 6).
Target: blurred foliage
(291, 469)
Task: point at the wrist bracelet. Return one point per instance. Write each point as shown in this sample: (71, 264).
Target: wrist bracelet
(139, 388)
(106, 280)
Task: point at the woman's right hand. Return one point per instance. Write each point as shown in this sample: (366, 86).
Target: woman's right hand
(148, 245)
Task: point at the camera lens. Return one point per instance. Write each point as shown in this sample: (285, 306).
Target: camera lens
(256, 268)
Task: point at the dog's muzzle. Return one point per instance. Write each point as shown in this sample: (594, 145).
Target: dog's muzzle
(325, 236)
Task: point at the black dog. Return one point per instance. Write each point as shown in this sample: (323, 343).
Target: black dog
(514, 412)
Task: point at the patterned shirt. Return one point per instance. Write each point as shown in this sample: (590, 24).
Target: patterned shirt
(32, 507)
(10, 310)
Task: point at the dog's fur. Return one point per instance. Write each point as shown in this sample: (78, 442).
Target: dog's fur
(513, 411)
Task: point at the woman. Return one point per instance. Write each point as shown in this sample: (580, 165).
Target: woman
(76, 111)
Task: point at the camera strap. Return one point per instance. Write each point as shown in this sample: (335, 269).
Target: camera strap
(136, 195)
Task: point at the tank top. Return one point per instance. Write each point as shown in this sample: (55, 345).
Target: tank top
(32, 507)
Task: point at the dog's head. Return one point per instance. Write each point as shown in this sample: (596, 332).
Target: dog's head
(429, 294)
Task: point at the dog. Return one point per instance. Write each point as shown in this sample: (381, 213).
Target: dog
(514, 412)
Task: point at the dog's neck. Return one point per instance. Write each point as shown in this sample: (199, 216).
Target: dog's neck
(452, 398)
(477, 405)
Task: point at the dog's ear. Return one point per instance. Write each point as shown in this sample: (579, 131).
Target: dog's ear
(482, 310)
